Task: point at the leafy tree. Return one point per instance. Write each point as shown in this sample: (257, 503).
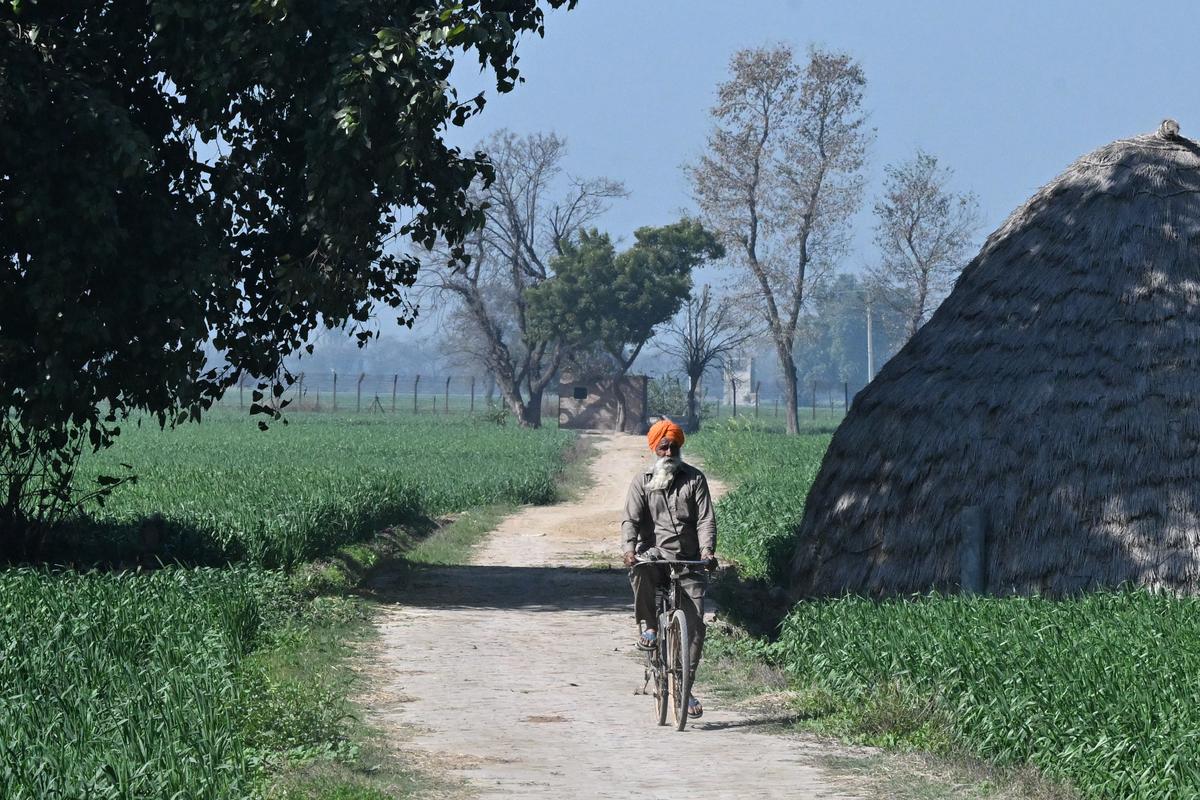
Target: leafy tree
(667, 396)
(831, 347)
(613, 302)
(176, 170)
(781, 179)
(527, 225)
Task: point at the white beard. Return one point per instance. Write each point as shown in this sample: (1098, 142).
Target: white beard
(664, 471)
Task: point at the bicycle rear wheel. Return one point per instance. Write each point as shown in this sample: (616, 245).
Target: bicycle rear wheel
(679, 671)
(661, 688)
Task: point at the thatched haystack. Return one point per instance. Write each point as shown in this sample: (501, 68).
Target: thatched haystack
(1057, 390)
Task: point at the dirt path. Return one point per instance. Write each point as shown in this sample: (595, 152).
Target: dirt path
(519, 671)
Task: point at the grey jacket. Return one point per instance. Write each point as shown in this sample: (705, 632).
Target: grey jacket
(679, 520)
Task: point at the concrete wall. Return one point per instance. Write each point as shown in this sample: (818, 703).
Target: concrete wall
(743, 373)
(593, 405)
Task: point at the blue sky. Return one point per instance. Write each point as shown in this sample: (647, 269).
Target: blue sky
(1006, 94)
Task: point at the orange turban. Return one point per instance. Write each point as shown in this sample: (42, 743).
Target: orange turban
(665, 428)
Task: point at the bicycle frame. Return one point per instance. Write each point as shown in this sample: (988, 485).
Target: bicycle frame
(668, 663)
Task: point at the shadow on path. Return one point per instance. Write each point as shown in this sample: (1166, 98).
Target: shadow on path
(503, 587)
(774, 721)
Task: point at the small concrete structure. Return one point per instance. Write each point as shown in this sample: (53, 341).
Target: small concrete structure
(595, 405)
(742, 376)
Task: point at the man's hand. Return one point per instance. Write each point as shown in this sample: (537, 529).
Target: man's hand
(630, 558)
(710, 557)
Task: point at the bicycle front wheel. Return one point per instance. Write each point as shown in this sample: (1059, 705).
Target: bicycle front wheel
(661, 661)
(679, 671)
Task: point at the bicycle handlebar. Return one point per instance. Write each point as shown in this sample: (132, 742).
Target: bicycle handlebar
(643, 561)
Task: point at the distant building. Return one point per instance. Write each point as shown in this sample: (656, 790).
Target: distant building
(596, 405)
(741, 379)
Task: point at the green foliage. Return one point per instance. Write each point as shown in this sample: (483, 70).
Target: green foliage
(126, 685)
(831, 345)
(598, 298)
(1099, 690)
(202, 683)
(175, 171)
(771, 474)
(667, 395)
(228, 492)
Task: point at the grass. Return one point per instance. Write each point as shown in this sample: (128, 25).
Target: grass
(206, 682)
(735, 668)
(1098, 692)
(128, 685)
(771, 473)
(226, 491)
(453, 543)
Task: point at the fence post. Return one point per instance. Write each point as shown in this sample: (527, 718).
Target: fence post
(416, 383)
(757, 387)
(472, 394)
(814, 404)
(777, 403)
(395, 382)
(972, 550)
(717, 413)
(358, 392)
(433, 402)
(317, 405)
(446, 408)
(300, 392)
(335, 395)
(733, 391)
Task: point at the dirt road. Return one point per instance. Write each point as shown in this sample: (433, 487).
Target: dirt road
(518, 671)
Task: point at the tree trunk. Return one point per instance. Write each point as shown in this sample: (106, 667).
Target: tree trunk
(510, 391)
(531, 416)
(619, 391)
(693, 418)
(790, 389)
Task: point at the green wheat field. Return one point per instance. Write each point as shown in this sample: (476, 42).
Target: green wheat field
(147, 684)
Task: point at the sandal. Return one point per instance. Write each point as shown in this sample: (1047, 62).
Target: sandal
(695, 710)
(648, 640)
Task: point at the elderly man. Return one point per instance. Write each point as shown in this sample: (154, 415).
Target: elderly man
(668, 507)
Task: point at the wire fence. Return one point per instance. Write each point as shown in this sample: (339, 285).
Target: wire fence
(815, 399)
(400, 393)
(381, 393)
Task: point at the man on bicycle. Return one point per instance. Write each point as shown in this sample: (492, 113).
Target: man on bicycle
(668, 508)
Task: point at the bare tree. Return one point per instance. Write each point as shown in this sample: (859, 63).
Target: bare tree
(923, 231)
(782, 178)
(705, 334)
(526, 225)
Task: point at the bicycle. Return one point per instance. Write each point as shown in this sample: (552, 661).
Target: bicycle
(669, 663)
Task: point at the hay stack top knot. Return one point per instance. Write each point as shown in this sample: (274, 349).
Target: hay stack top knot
(1169, 129)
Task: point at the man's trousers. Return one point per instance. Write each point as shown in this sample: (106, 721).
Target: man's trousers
(692, 584)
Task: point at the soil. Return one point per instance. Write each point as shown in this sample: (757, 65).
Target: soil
(518, 671)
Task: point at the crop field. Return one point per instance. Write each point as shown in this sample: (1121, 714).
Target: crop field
(229, 492)
(127, 685)
(1101, 691)
(146, 684)
(771, 472)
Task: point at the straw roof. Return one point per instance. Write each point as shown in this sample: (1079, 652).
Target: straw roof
(1058, 388)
